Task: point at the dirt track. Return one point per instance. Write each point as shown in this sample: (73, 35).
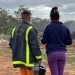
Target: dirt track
(6, 68)
(6, 63)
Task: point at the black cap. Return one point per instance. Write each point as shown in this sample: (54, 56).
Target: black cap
(26, 12)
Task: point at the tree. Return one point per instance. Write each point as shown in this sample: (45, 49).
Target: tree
(19, 11)
(7, 22)
(70, 25)
(39, 24)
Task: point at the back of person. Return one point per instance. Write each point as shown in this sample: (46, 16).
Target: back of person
(18, 42)
(56, 36)
(25, 47)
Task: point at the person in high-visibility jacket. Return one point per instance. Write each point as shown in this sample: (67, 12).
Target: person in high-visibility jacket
(24, 44)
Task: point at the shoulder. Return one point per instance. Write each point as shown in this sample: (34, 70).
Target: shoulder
(33, 30)
(64, 26)
(48, 25)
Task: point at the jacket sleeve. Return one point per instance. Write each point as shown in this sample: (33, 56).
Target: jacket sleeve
(34, 44)
(11, 38)
(68, 38)
(10, 43)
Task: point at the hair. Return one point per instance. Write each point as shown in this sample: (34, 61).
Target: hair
(54, 14)
(26, 12)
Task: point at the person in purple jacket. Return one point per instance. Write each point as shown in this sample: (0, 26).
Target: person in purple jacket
(56, 36)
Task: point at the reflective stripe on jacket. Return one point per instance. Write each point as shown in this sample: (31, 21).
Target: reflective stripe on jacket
(24, 53)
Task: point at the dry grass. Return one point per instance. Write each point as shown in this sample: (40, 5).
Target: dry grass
(6, 67)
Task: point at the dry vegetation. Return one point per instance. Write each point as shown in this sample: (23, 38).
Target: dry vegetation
(6, 61)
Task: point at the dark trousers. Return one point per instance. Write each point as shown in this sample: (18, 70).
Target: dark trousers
(56, 62)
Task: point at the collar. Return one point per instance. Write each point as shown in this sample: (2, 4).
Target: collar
(24, 22)
(57, 22)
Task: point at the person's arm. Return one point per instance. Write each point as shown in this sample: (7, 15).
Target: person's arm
(44, 38)
(68, 38)
(10, 43)
(11, 38)
(35, 45)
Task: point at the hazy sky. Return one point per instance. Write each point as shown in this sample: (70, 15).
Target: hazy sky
(41, 8)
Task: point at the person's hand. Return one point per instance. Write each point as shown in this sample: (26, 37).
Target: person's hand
(39, 62)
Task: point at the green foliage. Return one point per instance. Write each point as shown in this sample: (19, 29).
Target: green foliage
(19, 11)
(39, 25)
(70, 25)
(7, 22)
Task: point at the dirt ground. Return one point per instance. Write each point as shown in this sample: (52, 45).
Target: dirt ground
(6, 67)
